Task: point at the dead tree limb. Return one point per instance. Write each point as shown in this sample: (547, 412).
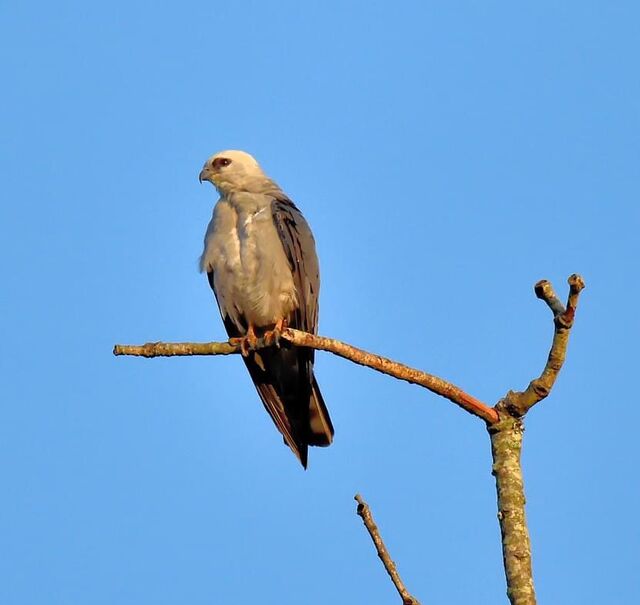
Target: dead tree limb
(504, 420)
(375, 362)
(364, 512)
(506, 445)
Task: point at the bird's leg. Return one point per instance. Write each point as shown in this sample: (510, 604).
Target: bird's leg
(247, 343)
(250, 341)
(272, 337)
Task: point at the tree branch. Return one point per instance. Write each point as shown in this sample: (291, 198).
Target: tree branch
(176, 349)
(519, 403)
(303, 339)
(504, 422)
(401, 371)
(506, 446)
(364, 512)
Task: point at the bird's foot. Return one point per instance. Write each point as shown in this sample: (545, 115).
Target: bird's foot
(247, 343)
(272, 337)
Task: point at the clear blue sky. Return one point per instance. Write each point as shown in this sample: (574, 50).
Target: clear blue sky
(447, 155)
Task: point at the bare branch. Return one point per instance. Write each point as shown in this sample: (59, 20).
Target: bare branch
(397, 370)
(364, 512)
(519, 403)
(175, 349)
(303, 339)
(506, 446)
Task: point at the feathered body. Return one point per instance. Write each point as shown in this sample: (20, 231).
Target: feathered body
(259, 255)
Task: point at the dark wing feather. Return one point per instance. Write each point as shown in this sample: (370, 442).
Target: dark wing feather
(300, 249)
(299, 246)
(276, 372)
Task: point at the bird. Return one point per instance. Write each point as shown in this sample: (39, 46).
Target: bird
(260, 259)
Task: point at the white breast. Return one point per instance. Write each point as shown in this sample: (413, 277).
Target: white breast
(252, 277)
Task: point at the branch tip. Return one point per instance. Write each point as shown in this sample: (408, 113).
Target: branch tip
(544, 289)
(545, 292)
(576, 283)
(364, 512)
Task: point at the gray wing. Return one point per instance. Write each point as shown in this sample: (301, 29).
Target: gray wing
(300, 249)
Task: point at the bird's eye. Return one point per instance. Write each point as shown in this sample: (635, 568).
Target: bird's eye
(221, 162)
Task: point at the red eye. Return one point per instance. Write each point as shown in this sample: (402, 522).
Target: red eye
(221, 162)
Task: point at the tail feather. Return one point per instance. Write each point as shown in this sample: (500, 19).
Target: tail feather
(320, 427)
(291, 395)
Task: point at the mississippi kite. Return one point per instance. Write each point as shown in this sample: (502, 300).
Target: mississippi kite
(259, 255)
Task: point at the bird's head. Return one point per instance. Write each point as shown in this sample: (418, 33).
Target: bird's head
(230, 170)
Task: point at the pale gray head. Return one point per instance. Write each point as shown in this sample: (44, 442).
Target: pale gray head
(231, 170)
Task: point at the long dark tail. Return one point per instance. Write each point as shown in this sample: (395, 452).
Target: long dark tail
(285, 382)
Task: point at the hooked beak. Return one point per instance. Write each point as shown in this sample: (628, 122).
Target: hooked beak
(204, 175)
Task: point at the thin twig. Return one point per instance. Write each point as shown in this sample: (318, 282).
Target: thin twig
(375, 362)
(364, 512)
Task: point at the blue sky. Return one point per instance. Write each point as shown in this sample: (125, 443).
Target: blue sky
(447, 156)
